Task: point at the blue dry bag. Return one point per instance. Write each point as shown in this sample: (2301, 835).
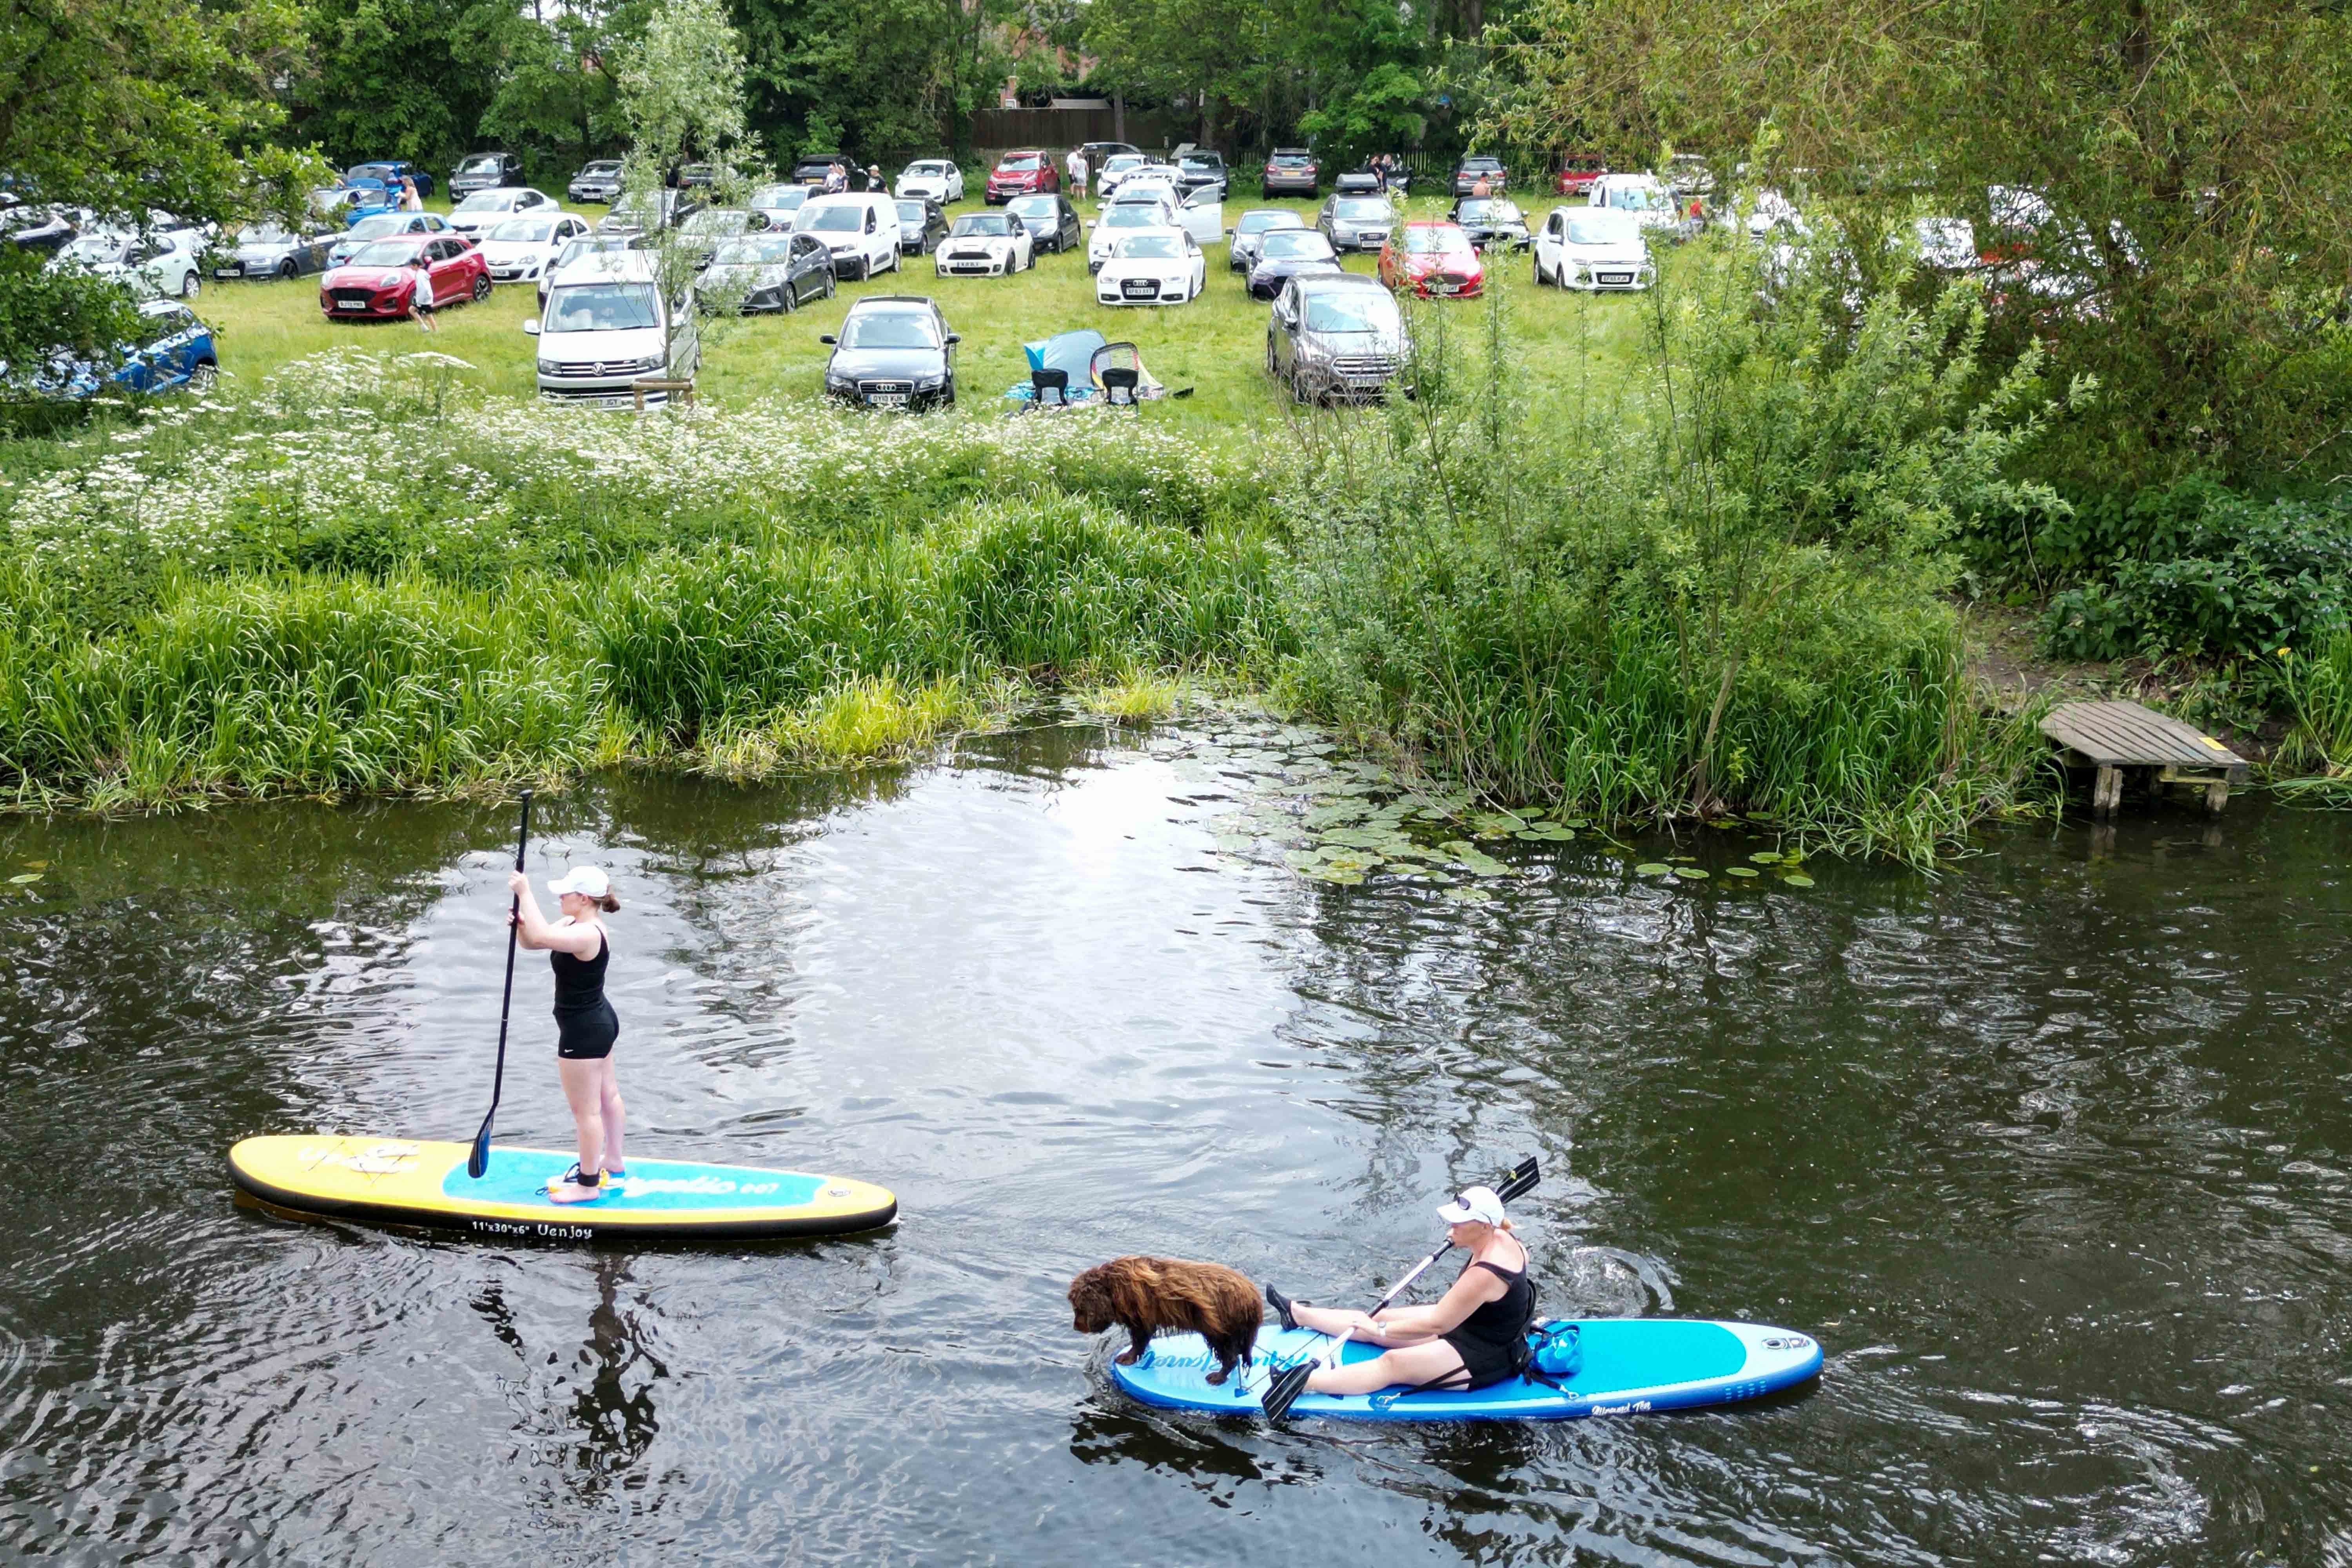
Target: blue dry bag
(1555, 1350)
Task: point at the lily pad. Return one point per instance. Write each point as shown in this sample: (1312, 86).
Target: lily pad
(1337, 812)
(1465, 895)
(1766, 857)
(1695, 873)
(1653, 868)
(1236, 843)
(1797, 882)
(1741, 872)
(1335, 875)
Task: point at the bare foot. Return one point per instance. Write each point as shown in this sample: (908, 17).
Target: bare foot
(573, 1193)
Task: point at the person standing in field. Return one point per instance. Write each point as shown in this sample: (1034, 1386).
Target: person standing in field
(1078, 172)
(420, 303)
(410, 202)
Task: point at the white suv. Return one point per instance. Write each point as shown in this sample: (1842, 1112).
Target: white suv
(608, 325)
(861, 230)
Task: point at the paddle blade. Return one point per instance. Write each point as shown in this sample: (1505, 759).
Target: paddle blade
(1283, 1390)
(1522, 1181)
(478, 1158)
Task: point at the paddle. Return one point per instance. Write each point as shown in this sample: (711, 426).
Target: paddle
(1291, 1380)
(477, 1160)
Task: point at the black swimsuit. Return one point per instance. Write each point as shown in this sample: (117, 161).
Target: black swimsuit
(1493, 1340)
(585, 1024)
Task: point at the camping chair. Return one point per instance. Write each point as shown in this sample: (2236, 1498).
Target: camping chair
(1117, 369)
(1042, 380)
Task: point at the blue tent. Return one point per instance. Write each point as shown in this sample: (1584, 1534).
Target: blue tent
(1070, 352)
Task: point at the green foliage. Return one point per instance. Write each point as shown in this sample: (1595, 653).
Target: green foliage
(2317, 682)
(46, 309)
(874, 79)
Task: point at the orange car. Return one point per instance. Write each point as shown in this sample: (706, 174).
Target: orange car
(1435, 260)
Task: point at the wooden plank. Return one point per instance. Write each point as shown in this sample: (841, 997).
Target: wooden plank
(2125, 734)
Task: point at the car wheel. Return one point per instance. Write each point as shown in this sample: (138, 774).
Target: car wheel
(829, 285)
(864, 267)
(189, 284)
(202, 378)
(1271, 368)
(286, 269)
(481, 287)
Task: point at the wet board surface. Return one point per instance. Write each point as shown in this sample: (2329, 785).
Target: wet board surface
(1631, 1366)
(396, 1181)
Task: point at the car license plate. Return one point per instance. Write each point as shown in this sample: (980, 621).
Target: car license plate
(1441, 287)
(350, 302)
(622, 400)
(1139, 288)
(1616, 278)
(886, 399)
(228, 272)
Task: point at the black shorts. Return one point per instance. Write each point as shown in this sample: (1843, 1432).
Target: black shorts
(1486, 1362)
(587, 1037)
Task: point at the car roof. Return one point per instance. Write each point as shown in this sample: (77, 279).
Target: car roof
(895, 304)
(1331, 282)
(164, 308)
(617, 266)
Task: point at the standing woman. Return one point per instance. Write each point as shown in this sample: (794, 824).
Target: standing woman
(585, 1024)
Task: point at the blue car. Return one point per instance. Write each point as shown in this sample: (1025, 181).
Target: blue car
(366, 198)
(388, 170)
(173, 350)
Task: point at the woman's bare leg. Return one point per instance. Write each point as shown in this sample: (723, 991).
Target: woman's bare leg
(616, 1115)
(1333, 1320)
(583, 1089)
(1410, 1367)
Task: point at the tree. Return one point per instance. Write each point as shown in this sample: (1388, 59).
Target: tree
(881, 75)
(399, 78)
(681, 95)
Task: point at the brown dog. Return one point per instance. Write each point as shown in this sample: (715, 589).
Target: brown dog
(1146, 1295)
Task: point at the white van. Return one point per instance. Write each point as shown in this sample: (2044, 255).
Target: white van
(860, 229)
(607, 324)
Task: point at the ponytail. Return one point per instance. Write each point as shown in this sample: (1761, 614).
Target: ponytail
(609, 904)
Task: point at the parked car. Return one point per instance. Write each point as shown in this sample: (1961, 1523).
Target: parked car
(147, 266)
(1356, 223)
(270, 250)
(1241, 249)
(1148, 183)
(1434, 260)
(1199, 170)
(1475, 167)
(861, 230)
(1115, 168)
(781, 202)
(524, 249)
(1577, 173)
(1052, 223)
(484, 172)
(986, 245)
(894, 351)
(1286, 253)
(1334, 335)
(599, 180)
(587, 244)
(389, 170)
(922, 223)
(701, 234)
(814, 167)
(1491, 222)
(1771, 211)
(360, 200)
(170, 352)
(1643, 196)
(1360, 183)
(1099, 153)
(1291, 171)
(697, 176)
(1687, 175)
(933, 179)
(1594, 247)
(484, 208)
(773, 271)
(382, 226)
(639, 214)
(607, 322)
(1153, 267)
(1118, 222)
(1023, 173)
(378, 282)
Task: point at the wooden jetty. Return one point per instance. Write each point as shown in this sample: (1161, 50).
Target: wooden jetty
(2116, 736)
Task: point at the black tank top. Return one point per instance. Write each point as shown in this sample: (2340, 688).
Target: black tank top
(579, 981)
(1502, 1323)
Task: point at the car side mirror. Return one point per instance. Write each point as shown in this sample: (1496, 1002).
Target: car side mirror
(531, 326)
(1090, 223)
(827, 338)
(955, 337)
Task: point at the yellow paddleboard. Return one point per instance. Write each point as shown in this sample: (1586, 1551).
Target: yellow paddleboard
(400, 1181)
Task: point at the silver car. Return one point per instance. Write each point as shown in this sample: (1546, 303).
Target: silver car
(273, 250)
(1356, 223)
(1334, 335)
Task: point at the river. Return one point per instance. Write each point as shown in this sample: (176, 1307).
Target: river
(2050, 1150)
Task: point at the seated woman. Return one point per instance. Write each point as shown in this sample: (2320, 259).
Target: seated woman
(1476, 1334)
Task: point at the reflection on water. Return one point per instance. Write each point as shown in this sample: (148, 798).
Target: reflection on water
(2050, 1150)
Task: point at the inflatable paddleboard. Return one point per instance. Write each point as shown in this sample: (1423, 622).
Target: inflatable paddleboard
(1631, 1365)
(393, 1180)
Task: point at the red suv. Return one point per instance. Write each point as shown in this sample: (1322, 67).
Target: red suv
(1027, 174)
(1579, 172)
(380, 281)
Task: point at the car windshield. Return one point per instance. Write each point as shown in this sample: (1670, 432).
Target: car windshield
(1142, 216)
(1480, 165)
(486, 202)
(375, 228)
(755, 251)
(95, 247)
(1030, 206)
(1290, 160)
(1433, 241)
(1122, 161)
(604, 166)
(888, 329)
(1477, 210)
(524, 231)
(928, 171)
(164, 324)
(1284, 243)
(982, 223)
(779, 199)
(369, 171)
(1364, 209)
(480, 163)
(719, 221)
(384, 252)
(602, 308)
(1602, 228)
(640, 208)
(1639, 199)
(912, 212)
(1201, 161)
(1018, 161)
(830, 220)
(1269, 217)
(264, 233)
(1150, 248)
(1353, 310)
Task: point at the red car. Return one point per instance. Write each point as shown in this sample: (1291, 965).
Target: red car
(380, 279)
(1435, 260)
(1029, 173)
(1579, 172)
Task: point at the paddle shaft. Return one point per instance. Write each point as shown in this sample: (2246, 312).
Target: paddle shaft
(479, 1160)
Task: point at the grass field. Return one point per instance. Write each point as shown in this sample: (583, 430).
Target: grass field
(1563, 342)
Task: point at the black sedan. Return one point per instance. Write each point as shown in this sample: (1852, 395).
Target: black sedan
(1288, 253)
(922, 223)
(1052, 222)
(1492, 222)
(894, 351)
(41, 229)
(767, 273)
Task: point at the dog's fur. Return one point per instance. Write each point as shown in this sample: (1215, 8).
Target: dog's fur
(1146, 1295)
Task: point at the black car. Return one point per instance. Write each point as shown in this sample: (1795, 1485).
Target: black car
(41, 229)
(1198, 171)
(1292, 170)
(772, 271)
(894, 351)
(1478, 166)
(1286, 253)
(702, 234)
(815, 168)
(922, 223)
(1052, 222)
(1491, 222)
(1240, 249)
(484, 172)
(597, 182)
(697, 176)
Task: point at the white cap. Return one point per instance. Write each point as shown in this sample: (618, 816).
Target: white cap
(585, 879)
(1476, 1206)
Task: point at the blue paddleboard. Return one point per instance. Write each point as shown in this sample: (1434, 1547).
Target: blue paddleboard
(1631, 1365)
